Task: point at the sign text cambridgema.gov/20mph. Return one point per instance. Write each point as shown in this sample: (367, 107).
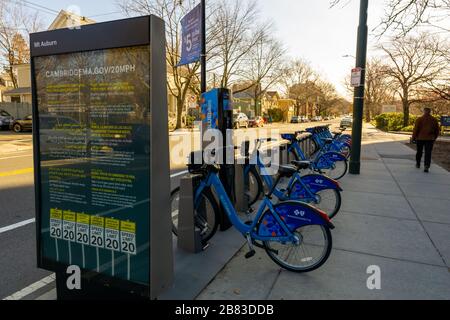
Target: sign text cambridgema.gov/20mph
(91, 71)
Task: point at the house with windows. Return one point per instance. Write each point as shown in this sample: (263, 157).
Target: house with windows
(22, 72)
(270, 101)
(6, 84)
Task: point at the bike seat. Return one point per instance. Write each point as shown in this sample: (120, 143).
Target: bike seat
(328, 140)
(287, 171)
(301, 164)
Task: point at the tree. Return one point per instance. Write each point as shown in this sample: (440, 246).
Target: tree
(378, 88)
(327, 97)
(235, 31)
(15, 25)
(264, 67)
(414, 61)
(180, 78)
(402, 16)
(298, 80)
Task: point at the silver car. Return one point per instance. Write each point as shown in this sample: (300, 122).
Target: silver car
(346, 122)
(5, 120)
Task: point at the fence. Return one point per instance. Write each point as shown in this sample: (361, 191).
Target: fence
(17, 110)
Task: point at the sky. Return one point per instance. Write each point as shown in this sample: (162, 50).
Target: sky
(308, 28)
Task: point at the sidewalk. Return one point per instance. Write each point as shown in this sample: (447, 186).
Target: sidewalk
(393, 216)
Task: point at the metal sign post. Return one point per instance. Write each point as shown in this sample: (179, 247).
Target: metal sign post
(101, 158)
(358, 103)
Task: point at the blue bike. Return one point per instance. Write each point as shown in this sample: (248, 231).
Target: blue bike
(318, 190)
(333, 164)
(295, 235)
(324, 140)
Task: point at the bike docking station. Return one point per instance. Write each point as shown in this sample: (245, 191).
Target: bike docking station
(101, 159)
(217, 114)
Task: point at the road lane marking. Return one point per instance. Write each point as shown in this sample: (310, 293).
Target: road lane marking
(31, 288)
(47, 280)
(14, 157)
(17, 225)
(16, 172)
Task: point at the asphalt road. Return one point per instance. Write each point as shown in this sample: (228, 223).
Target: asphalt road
(17, 242)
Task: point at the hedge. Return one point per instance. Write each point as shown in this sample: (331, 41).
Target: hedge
(393, 121)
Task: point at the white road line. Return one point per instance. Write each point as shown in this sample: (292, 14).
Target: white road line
(14, 157)
(17, 225)
(45, 281)
(31, 288)
(26, 222)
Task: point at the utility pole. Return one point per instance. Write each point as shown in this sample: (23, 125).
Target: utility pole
(203, 55)
(358, 101)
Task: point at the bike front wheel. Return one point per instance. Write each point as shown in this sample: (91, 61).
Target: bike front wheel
(311, 253)
(206, 215)
(329, 201)
(335, 170)
(255, 186)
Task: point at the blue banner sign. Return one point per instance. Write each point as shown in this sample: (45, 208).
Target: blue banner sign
(191, 26)
(445, 121)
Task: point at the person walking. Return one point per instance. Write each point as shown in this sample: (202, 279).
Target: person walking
(426, 132)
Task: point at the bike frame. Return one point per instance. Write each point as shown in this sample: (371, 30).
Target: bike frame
(269, 181)
(212, 181)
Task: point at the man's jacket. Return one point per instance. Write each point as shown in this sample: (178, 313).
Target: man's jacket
(426, 129)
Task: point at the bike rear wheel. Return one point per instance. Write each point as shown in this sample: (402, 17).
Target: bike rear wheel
(206, 216)
(311, 253)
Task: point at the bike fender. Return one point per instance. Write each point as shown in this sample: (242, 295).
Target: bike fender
(294, 214)
(334, 156)
(316, 183)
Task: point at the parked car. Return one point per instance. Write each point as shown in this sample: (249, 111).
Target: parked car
(240, 120)
(296, 119)
(346, 122)
(24, 124)
(256, 122)
(327, 118)
(5, 120)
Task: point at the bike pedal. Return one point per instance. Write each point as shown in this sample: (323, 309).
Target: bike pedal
(250, 254)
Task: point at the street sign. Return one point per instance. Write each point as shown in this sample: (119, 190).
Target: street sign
(191, 48)
(389, 109)
(356, 77)
(101, 161)
(445, 121)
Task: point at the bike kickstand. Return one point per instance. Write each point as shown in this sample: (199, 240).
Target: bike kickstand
(252, 251)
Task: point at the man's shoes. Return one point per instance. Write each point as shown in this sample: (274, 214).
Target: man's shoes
(418, 166)
(427, 169)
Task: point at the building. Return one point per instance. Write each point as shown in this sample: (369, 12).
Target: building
(22, 72)
(270, 101)
(288, 107)
(6, 84)
(23, 91)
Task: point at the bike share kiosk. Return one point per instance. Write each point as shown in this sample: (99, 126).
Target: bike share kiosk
(217, 113)
(101, 159)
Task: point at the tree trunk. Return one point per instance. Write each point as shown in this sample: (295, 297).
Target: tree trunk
(180, 106)
(405, 112)
(368, 118)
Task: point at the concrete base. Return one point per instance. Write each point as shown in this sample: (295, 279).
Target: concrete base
(393, 216)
